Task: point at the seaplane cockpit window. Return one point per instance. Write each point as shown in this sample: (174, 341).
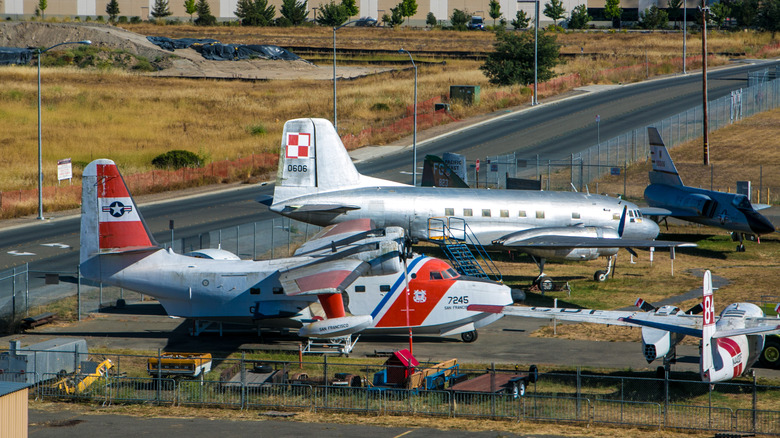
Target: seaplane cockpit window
(451, 273)
(435, 275)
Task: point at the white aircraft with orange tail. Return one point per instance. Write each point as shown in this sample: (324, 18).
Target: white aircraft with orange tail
(350, 278)
(730, 344)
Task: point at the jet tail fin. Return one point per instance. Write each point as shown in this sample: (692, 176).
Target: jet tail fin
(664, 170)
(436, 173)
(110, 220)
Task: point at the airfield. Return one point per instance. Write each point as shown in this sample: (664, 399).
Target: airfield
(145, 327)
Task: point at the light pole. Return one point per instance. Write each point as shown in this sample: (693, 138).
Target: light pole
(414, 136)
(40, 149)
(335, 117)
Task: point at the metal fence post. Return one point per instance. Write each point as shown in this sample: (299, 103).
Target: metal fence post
(26, 289)
(159, 375)
(254, 241)
(13, 294)
(243, 380)
(78, 292)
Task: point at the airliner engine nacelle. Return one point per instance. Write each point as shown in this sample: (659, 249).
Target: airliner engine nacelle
(665, 196)
(564, 253)
(335, 327)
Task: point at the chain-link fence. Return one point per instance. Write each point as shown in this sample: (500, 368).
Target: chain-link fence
(328, 385)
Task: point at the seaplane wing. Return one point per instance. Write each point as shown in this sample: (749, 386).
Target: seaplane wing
(322, 278)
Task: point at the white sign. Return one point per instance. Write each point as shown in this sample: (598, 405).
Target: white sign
(64, 169)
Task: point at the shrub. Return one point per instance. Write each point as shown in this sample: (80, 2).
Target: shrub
(380, 106)
(257, 130)
(122, 19)
(176, 159)
(135, 20)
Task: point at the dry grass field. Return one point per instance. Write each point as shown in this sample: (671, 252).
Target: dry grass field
(131, 117)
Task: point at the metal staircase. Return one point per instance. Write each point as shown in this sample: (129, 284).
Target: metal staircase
(456, 240)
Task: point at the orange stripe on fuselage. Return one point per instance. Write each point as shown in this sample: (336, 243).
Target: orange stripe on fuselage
(419, 310)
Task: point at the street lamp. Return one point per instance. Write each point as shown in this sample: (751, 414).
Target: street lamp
(40, 155)
(414, 137)
(335, 118)
(535, 99)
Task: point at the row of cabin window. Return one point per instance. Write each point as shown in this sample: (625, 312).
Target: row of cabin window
(486, 212)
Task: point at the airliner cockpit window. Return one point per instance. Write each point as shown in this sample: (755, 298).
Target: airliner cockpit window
(742, 203)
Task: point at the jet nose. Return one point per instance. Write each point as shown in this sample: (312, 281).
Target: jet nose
(759, 224)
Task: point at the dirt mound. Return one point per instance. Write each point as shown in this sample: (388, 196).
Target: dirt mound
(186, 63)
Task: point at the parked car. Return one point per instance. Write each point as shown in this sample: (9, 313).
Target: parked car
(366, 22)
(476, 23)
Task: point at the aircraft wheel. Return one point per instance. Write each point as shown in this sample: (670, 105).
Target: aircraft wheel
(469, 337)
(546, 284)
(770, 357)
(600, 276)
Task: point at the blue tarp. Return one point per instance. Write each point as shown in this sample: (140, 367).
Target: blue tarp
(215, 51)
(14, 55)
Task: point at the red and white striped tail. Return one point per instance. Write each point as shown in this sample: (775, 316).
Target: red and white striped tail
(110, 220)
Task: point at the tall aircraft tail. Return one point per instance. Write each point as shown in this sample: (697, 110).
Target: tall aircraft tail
(709, 347)
(664, 171)
(313, 159)
(436, 173)
(110, 220)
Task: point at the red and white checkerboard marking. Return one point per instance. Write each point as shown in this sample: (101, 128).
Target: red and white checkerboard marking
(298, 145)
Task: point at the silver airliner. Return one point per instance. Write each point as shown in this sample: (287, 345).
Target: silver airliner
(317, 183)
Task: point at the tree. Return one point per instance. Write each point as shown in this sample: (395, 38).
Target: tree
(579, 17)
(745, 12)
(42, 5)
(112, 9)
(430, 19)
(255, 12)
(204, 14)
(332, 15)
(396, 17)
(408, 9)
(653, 18)
(295, 11)
(351, 7)
(554, 10)
(512, 61)
(613, 11)
(719, 12)
(674, 9)
(160, 9)
(769, 16)
(458, 19)
(494, 10)
(521, 20)
(190, 7)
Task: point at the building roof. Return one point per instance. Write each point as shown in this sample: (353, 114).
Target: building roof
(11, 387)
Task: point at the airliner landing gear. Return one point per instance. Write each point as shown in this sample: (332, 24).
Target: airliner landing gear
(604, 275)
(469, 337)
(543, 282)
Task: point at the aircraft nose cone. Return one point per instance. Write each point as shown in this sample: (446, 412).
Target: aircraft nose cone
(760, 224)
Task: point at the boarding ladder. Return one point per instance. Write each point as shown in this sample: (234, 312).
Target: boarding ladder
(457, 240)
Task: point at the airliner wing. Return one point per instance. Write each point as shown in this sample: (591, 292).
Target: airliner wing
(761, 206)
(678, 323)
(333, 237)
(559, 241)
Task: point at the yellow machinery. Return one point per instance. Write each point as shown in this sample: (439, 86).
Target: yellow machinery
(89, 373)
(180, 364)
